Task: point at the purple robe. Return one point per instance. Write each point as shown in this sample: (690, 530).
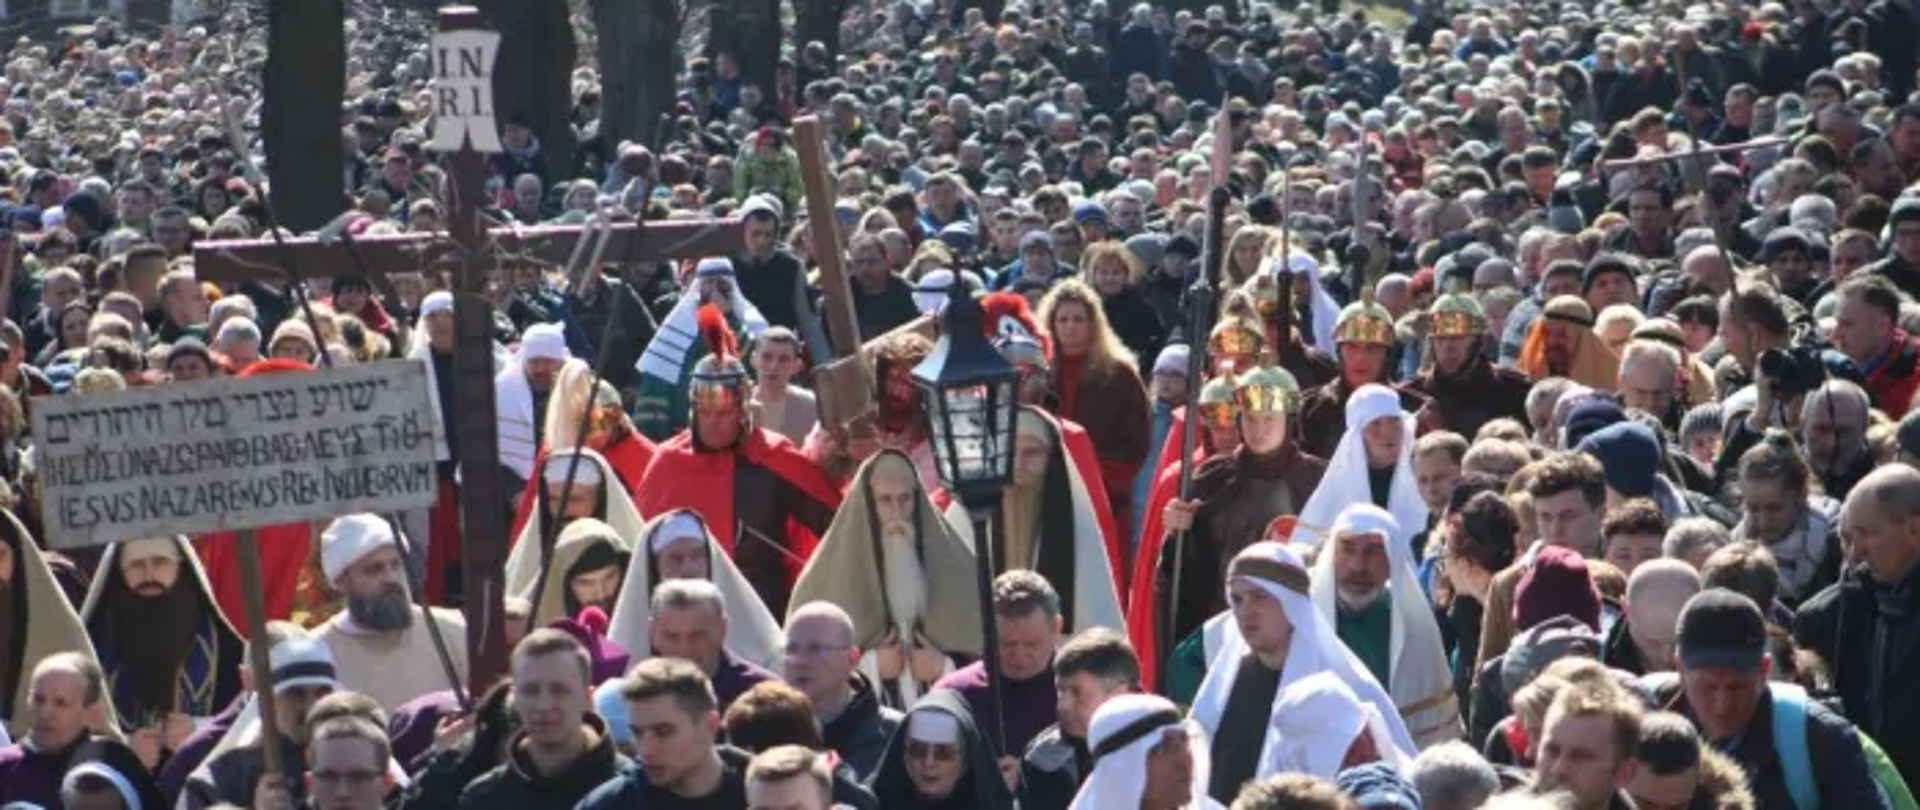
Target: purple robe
(173, 774)
(734, 677)
(1030, 704)
(31, 776)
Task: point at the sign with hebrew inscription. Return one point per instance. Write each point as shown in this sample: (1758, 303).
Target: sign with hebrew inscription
(234, 453)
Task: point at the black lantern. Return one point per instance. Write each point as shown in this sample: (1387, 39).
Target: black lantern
(971, 394)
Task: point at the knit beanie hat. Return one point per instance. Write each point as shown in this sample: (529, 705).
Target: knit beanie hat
(1556, 583)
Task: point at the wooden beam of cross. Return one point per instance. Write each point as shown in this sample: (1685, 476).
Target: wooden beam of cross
(462, 58)
(843, 385)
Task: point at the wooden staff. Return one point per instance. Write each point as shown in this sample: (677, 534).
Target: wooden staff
(259, 659)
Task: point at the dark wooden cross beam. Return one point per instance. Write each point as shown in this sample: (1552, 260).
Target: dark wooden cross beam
(475, 248)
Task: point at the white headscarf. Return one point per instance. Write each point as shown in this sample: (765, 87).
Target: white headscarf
(519, 436)
(1420, 682)
(1346, 482)
(1317, 718)
(1326, 311)
(752, 634)
(1315, 648)
(420, 347)
(1124, 729)
(523, 562)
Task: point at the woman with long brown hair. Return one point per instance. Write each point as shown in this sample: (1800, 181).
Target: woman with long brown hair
(1097, 382)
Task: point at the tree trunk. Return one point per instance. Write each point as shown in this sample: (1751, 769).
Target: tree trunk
(819, 21)
(305, 79)
(533, 78)
(638, 39)
(750, 31)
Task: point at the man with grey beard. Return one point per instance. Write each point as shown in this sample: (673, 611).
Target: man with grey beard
(902, 575)
(380, 642)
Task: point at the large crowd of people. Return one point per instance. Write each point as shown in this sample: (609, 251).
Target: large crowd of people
(1556, 434)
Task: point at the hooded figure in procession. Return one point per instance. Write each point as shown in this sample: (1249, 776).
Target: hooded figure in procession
(169, 654)
(1050, 527)
(938, 759)
(902, 574)
(595, 492)
(678, 545)
(1373, 597)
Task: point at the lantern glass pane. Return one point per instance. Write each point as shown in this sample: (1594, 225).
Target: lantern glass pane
(937, 431)
(970, 424)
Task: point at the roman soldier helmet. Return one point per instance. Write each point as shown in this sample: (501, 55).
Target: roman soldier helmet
(1456, 314)
(1014, 331)
(1216, 405)
(1364, 321)
(719, 379)
(1266, 389)
(1236, 337)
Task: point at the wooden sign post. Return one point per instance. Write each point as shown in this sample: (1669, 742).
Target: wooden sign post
(462, 58)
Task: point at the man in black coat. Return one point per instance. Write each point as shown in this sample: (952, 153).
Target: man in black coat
(562, 750)
(822, 661)
(599, 300)
(1867, 625)
(1723, 689)
(1090, 668)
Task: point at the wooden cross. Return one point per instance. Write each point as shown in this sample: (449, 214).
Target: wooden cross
(476, 248)
(844, 389)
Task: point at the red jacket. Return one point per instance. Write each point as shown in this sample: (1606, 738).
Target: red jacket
(1894, 380)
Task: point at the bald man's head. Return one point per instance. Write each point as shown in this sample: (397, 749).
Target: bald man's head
(823, 614)
(1881, 522)
(1655, 595)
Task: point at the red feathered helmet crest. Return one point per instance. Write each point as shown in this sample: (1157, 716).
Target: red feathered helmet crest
(719, 379)
(1013, 329)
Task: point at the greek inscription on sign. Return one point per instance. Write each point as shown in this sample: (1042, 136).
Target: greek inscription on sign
(235, 453)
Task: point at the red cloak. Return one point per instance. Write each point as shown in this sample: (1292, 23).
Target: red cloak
(283, 553)
(1080, 448)
(679, 477)
(284, 549)
(1142, 626)
(629, 457)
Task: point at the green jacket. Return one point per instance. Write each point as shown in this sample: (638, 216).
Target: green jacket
(778, 175)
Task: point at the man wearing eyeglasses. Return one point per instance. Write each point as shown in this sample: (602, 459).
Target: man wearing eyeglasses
(821, 662)
(347, 765)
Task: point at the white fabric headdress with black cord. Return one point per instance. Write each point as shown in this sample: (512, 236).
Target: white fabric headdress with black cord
(1315, 647)
(1124, 730)
(666, 355)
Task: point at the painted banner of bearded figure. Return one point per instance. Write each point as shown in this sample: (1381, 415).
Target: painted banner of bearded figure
(1051, 527)
(170, 655)
(679, 545)
(903, 575)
